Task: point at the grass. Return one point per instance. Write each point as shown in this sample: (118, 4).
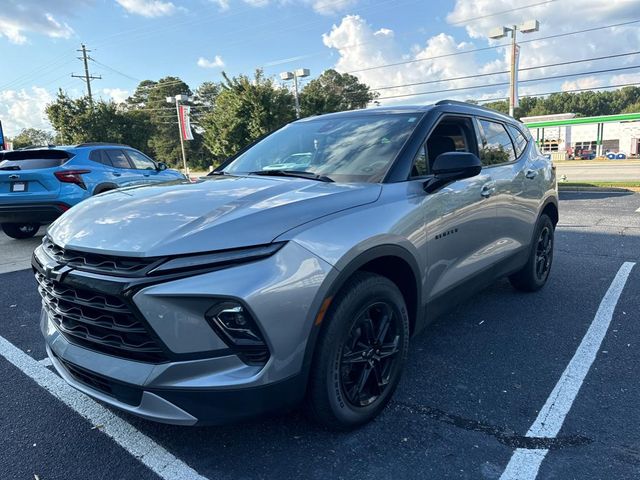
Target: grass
(635, 186)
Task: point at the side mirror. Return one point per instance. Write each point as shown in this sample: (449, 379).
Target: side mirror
(162, 166)
(450, 166)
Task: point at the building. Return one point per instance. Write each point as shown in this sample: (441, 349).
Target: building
(586, 137)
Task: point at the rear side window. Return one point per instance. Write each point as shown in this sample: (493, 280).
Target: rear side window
(519, 140)
(140, 161)
(118, 158)
(99, 156)
(33, 159)
(496, 146)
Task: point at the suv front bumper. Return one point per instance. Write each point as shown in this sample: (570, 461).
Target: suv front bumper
(202, 381)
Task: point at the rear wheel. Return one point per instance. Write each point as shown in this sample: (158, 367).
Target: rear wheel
(360, 354)
(20, 230)
(535, 273)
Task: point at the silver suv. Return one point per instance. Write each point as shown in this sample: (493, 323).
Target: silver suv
(299, 269)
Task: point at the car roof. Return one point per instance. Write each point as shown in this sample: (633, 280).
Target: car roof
(73, 148)
(452, 105)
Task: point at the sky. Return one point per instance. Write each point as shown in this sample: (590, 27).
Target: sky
(134, 40)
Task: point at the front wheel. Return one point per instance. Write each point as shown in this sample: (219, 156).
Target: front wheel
(20, 230)
(360, 353)
(535, 273)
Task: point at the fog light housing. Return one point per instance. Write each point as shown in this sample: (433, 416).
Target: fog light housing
(235, 325)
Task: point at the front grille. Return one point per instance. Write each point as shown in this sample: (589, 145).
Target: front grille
(93, 262)
(121, 392)
(98, 321)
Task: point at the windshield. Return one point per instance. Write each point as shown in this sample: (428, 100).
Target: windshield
(348, 149)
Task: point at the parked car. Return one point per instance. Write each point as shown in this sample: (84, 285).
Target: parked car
(255, 288)
(37, 185)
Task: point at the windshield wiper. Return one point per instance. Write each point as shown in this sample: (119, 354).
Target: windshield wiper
(293, 173)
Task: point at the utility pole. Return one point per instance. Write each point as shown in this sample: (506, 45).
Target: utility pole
(87, 78)
(512, 73)
(500, 32)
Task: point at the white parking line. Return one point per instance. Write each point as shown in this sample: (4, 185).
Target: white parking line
(638, 210)
(137, 444)
(524, 463)
(45, 362)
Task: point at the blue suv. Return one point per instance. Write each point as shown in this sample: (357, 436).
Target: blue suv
(38, 184)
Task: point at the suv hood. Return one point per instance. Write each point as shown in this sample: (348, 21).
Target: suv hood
(214, 214)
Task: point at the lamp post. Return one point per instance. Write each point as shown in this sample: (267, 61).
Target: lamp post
(177, 99)
(501, 32)
(299, 73)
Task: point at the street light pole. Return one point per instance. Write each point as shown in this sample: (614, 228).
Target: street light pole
(299, 73)
(512, 74)
(177, 99)
(501, 32)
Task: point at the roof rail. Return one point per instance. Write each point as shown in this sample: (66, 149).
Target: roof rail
(467, 104)
(95, 144)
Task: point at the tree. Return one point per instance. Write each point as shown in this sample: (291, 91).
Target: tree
(334, 92)
(149, 108)
(245, 109)
(583, 104)
(78, 121)
(32, 137)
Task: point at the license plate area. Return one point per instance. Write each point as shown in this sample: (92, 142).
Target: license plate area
(18, 187)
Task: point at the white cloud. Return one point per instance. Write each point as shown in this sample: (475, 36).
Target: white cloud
(561, 15)
(257, 3)
(17, 19)
(217, 62)
(581, 83)
(118, 95)
(362, 46)
(148, 8)
(330, 7)
(323, 7)
(24, 109)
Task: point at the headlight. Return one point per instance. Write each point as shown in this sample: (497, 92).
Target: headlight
(235, 325)
(221, 258)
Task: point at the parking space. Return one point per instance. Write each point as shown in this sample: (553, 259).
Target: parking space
(475, 383)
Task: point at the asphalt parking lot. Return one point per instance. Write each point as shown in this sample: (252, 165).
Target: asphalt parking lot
(491, 378)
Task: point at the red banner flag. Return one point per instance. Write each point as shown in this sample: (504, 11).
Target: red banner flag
(185, 122)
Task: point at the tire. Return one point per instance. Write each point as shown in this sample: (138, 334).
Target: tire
(533, 276)
(20, 230)
(333, 397)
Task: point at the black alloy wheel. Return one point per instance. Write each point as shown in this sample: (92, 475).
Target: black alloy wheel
(370, 354)
(360, 353)
(544, 252)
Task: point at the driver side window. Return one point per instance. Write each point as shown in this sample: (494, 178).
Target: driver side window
(452, 134)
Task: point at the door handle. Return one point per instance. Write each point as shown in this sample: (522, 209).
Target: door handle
(116, 174)
(488, 189)
(531, 174)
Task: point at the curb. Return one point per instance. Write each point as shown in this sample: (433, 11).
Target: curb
(595, 189)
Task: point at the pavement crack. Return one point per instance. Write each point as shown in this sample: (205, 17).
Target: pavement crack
(503, 435)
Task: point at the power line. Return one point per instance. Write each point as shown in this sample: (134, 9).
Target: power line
(467, 20)
(501, 84)
(574, 90)
(535, 67)
(491, 47)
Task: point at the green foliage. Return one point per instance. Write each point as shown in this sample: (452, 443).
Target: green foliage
(77, 121)
(334, 92)
(584, 104)
(29, 137)
(245, 109)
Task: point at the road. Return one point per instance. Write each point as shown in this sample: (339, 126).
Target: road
(608, 171)
(475, 384)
